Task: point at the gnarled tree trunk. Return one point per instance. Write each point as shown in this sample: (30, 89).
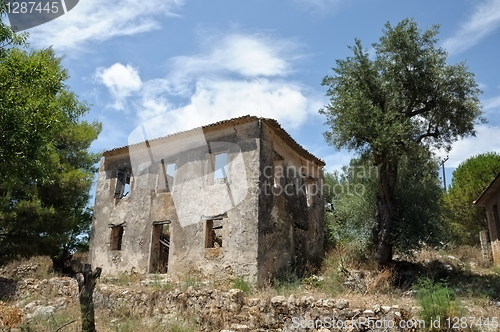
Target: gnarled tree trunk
(86, 283)
(386, 210)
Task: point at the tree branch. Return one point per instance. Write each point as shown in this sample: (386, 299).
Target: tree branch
(428, 106)
(434, 134)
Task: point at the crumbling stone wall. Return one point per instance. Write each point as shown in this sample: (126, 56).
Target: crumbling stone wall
(291, 231)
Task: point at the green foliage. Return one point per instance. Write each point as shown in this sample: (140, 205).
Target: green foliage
(408, 93)
(47, 169)
(418, 196)
(470, 179)
(8, 38)
(350, 202)
(287, 282)
(162, 284)
(404, 99)
(351, 209)
(242, 284)
(314, 281)
(339, 261)
(436, 300)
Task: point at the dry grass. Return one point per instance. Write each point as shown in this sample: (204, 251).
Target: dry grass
(475, 283)
(133, 323)
(38, 267)
(82, 257)
(68, 317)
(383, 282)
(10, 316)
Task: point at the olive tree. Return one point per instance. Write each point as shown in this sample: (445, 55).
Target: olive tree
(404, 98)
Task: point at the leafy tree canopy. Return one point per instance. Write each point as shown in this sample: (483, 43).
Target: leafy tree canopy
(404, 98)
(47, 169)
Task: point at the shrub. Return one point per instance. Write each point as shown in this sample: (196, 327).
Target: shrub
(242, 284)
(314, 281)
(436, 300)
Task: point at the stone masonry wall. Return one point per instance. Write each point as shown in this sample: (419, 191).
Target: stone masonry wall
(213, 309)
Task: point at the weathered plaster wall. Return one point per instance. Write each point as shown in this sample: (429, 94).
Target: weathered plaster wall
(290, 232)
(192, 197)
(238, 255)
(134, 210)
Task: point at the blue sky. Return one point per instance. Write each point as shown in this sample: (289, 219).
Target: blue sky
(205, 61)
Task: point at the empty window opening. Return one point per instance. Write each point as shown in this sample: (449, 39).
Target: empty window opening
(217, 171)
(220, 166)
(166, 175)
(213, 231)
(116, 237)
(123, 177)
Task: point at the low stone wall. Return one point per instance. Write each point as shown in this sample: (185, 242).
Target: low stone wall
(230, 310)
(213, 309)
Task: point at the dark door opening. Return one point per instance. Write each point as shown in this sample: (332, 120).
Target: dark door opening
(160, 247)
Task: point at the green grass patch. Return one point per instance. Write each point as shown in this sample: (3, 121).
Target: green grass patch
(437, 301)
(242, 284)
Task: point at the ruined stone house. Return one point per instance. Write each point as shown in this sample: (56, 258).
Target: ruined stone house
(490, 199)
(238, 197)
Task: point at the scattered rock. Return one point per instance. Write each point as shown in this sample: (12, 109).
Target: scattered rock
(329, 303)
(368, 313)
(278, 300)
(410, 293)
(229, 310)
(416, 309)
(42, 311)
(342, 304)
(240, 328)
(385, 309)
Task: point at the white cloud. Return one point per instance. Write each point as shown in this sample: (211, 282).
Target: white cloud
(483, 142)
(121, 81)
(98, 21)
(218, 100)
(491, 103)
(484, 20)
(236, 75)
(246, 55)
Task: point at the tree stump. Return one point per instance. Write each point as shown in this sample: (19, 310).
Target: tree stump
(86, 284)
